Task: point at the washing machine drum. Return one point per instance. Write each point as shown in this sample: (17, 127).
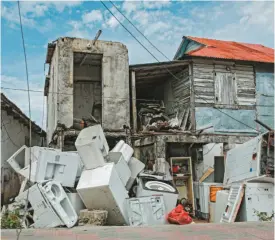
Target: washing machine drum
(159, 186)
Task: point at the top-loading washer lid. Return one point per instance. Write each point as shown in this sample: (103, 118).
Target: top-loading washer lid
(160, 186)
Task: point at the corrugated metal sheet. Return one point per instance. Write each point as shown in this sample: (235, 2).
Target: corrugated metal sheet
(232, 50)
(204, 78)
(265, 98)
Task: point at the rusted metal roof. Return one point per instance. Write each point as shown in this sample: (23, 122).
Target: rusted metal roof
(16, 112)
(212, 48)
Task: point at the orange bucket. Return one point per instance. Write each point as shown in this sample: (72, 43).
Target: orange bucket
(213, 192)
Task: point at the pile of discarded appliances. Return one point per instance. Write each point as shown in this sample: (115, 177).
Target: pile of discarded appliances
(246, 193)
(61, 186)
(153, 118)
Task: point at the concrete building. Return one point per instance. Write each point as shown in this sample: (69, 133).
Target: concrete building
(214, 89)
(201, 104)
(87, 80)
(14, 134)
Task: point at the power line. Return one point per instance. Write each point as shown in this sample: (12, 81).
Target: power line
(139, 31)
(128, 30)
(138, 99)
(30, 130)
(168, 69)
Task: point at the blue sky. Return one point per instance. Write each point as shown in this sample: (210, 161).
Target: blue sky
(163, 22)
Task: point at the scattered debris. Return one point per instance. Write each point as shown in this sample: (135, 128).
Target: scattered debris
(93, 217)
(96, 186)
(153, 118)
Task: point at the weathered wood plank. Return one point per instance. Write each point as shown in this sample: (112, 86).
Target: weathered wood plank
(186, 116)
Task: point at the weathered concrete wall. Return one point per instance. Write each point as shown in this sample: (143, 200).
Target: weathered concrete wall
(161, 141)
(52, 98)
(115, 81)
(12, 138)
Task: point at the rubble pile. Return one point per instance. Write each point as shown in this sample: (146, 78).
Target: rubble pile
(153, 118)
(90, 186)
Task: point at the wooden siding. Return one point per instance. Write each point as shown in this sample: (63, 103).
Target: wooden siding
(178, 100)
(204, 82)
(181, 88)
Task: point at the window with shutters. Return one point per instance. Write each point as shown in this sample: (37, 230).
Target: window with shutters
(225, 90)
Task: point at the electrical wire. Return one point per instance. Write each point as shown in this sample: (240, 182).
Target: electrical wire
(30, 132)
(137, 99)
(169, 70)
(139, 31)
(143, 34)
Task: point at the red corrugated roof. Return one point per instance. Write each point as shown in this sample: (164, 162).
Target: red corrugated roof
(232, 50)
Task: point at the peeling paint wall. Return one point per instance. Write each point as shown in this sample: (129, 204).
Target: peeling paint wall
(222, 123)
(115, 83)
(265, 96)
(205, 74)
(231, 88)
(52, 98)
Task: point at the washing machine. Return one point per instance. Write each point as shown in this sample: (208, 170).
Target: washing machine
(149, 186)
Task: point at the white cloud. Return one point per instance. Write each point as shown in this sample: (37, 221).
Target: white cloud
(258, 14)
(130, 6)
(249, 20)
(156, 4)
(11, 15)
(93, 16)
(31, 11)
(61, 5)
(33, 8)
(78, 30)
(112, 22)
(20, 98)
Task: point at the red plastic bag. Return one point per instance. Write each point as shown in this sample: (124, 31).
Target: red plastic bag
(179, 216)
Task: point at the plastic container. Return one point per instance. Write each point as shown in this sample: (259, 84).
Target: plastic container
(126, 150)
(92, 147)
(213, 192)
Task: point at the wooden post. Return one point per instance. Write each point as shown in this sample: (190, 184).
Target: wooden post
(192, 99)
(134, 102)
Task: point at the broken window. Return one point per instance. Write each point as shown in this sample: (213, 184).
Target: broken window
(225, 89)
(87, 86)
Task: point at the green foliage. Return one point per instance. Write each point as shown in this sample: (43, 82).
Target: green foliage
(263, 217)
(10, 219)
